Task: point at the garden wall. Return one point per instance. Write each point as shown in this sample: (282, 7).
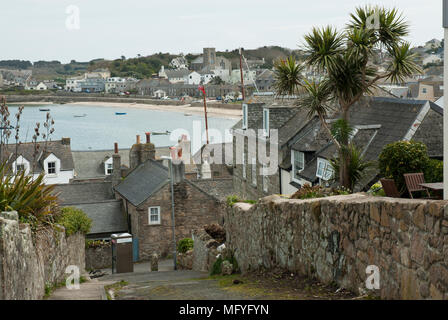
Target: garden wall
(336, 238)
(99, 257)
(27, 265)
(204, 252)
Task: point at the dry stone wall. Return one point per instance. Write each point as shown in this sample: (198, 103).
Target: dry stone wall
(337, 238)
(29, 263)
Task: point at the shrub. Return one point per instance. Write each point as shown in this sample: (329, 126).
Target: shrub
(434, 171)
(217, 267)
(34, 202)
(216, 232)
(317, 191)
(74, 220)
(403, 157)
(184, 245)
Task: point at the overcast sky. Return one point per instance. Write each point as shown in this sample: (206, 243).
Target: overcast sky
(36, 29)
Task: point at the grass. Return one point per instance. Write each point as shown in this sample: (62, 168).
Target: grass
(115, 287)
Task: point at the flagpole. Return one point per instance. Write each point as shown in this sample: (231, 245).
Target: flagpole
(241, 72)
(205, 112)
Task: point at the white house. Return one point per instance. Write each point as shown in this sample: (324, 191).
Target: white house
(74, 84)
(249, 76)
(53, 158)
(433, 58)
(193, 78)
(115, 85)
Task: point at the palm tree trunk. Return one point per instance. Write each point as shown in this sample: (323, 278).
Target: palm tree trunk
(344, 155)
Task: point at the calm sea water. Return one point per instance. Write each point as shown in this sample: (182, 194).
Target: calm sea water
(100, 128)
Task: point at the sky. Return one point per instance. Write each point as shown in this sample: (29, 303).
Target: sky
(50, 29)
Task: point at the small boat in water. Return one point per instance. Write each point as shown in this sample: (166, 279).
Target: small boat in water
(160, 133)
(187, 114)
(120, 113)
(80, 115)
(41, 109)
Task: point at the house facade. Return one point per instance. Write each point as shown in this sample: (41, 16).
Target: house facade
(53, 158)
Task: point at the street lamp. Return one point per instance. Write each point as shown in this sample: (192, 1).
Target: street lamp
(172, 208)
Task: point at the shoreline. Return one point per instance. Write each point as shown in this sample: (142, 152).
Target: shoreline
(222, 113)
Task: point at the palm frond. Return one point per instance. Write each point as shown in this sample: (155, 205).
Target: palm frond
(288, 76)
(403, 63)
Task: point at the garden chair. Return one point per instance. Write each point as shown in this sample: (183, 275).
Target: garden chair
(413, 181)
(390, 188)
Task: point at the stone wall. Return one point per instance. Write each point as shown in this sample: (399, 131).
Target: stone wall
(204, 252)
(99, 257)
(336, 238)
(30, 262)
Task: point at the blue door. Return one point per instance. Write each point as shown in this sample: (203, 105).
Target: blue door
(135, 249)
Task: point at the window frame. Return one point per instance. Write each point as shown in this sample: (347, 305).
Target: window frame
(109, 166)
(158, 222)
(326, 168)
(53, 168)
(293, 161)
(20, 165)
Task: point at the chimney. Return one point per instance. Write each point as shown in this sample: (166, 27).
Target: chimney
(206, 170)
(116, 166)
(65, 141)
(141, 153)
(178, 172)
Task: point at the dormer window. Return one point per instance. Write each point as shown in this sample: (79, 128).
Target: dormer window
(245, 120)
(298, 163)
(109, 168)
(51, 167)
(20, 167)
(266, 122)
(324, 169)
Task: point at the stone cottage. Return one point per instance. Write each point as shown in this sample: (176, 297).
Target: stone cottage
(146, 196)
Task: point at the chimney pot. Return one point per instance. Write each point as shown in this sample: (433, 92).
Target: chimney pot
(138, 139)
(116, 147)
(148, 137)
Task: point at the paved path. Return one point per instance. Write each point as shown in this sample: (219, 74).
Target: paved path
(90, 290)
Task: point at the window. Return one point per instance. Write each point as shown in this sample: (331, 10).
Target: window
(154, 215)
(324, 170)
(266, 122)
(109, 168)
(424, 90)
(265, 179)
(245, 124)
(51, 167)
(20, 167)
(298, 163)
(254, 171)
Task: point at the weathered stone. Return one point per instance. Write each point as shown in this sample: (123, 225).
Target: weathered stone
(417, 248)
(434, 293)
(385, 219)
(408, 285)
(374, 212)
(419, 217)
(227, 268)
(424, 289)
(405, 257)
(154, 262)
(10, 215)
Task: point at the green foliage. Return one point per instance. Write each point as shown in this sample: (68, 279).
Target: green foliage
(402, 157)
(356, 167)
(231, 200)
(434, 171)
(97, 243)
(74, 220)
(288, 76)
(217, 267)
(33, 201)
(184, 245)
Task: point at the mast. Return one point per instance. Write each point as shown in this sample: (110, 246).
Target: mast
(202, 88)
(241, 72)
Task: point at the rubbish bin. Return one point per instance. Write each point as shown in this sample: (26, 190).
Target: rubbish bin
(122, 258)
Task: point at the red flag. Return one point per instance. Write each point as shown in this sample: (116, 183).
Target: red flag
(201, 88)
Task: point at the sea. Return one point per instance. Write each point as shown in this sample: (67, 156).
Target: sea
(99, 127)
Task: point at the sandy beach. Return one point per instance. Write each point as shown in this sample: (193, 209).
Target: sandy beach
(187, 109)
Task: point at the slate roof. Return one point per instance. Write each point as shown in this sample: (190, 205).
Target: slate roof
(61, 150)
(143, 181)
(89, 164)
(177, 73)
(97, 200)
(219, 189)
(380, 121)
(85, 192)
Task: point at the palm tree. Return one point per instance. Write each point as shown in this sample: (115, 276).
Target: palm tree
(343, 59)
